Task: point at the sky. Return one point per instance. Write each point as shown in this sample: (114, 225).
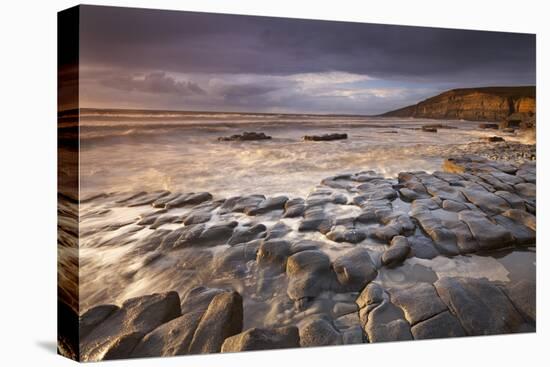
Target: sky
(157, 59)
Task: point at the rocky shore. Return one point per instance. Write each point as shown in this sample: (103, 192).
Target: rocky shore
(254, 272)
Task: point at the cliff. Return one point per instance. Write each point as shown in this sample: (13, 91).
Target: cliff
(476, 104)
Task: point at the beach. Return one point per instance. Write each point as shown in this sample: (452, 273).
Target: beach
(391, 233)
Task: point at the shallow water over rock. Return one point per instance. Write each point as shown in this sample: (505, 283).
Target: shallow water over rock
(326, 270)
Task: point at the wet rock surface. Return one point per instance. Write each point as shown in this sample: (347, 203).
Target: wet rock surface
(361, 258)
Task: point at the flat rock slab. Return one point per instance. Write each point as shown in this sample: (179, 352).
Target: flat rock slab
(481, 307)
(419, 302)
(523, 295)
(442, 325)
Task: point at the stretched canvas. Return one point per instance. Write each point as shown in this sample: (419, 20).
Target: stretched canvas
(231, 183)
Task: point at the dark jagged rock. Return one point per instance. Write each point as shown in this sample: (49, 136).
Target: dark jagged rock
(245, 136)
(262, 339)
(488, 126)
(493, 139)
(325, 137)
(429, 129)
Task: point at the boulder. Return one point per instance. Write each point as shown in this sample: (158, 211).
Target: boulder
(93, 317)
(342, 234)
(274, 253)
(263, 339)
(222, 319)
(118, 334)
(316, 331)
(315, 219)
(354, 269)
(381, 329)
(309, 274)
(270, 204)
(294, 208)
(248, 234)
(397, 252)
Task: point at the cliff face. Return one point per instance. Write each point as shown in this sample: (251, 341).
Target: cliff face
(477, 104)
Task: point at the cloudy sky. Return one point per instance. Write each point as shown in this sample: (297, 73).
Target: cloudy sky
(152, 59)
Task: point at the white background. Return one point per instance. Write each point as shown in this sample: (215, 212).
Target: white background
(28, 181)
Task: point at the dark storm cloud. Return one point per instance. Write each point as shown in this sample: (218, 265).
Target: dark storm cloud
(198, 42)
(141, 58)
(154, 82)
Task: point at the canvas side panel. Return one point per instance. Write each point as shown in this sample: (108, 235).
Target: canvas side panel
(67, 182)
